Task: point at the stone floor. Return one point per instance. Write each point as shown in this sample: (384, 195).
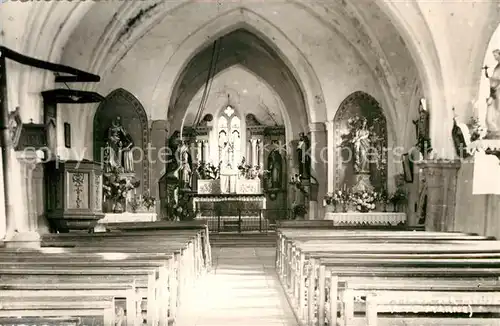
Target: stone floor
(243, 289)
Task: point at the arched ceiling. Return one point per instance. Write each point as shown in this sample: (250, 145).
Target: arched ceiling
(98, 36)
(239, 47)
(244, 90)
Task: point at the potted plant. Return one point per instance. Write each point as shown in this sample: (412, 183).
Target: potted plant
(398, 199)
(299, 211)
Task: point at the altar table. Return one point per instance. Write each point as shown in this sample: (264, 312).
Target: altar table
(210, 198)
(370, 218)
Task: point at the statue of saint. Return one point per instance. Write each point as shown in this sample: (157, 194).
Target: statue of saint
(274, 167)
(119, 145)
(361, 142)
(174, 144)
(185, 169)
(304, 156)
(493, 102)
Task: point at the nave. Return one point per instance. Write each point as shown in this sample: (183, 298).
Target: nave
(166, 273)
(242, 289)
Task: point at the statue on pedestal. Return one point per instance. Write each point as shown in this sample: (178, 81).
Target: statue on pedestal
(174, 144)
(119, 147)
(423, 129)
(493, 102)
(304, 156)
(274, 163)
(361, 142)
(185, 169)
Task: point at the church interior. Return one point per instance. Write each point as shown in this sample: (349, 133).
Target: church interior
(197, 163)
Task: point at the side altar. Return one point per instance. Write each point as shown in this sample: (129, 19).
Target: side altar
(124, 198)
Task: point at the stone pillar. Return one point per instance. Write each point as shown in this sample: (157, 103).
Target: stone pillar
(331, 155)
(319, 162)
(254, 152)
(441, 179)
(248, 151)
(261, 153)
(206, 151)
(3, 221)
(199, 151)
(22, 230)
(158, 154)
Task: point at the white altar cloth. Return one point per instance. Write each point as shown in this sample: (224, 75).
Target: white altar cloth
(370, 218)
(112, 218)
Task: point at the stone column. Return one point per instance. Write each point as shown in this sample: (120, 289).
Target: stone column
(206, 151)
(441, 179)
(3, 221)
(319, 159)
(22, 230)
(199, 151)
(158, 154)
(331, 155)
(254, 152)
(261, 153)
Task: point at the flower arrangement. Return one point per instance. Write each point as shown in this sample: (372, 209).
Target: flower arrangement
(208, 171)
(297, 184)
(364, 201)
(339, 197)
(115, 186)
(179, 210)
(148, 201)
(145, 201)
(251, 171)
(477, 131)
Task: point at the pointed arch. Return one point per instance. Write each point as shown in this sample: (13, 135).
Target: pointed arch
(360, 104)
(122, 103)
(242, 18)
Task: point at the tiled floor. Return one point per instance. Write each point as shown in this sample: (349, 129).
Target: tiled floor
(243, 290)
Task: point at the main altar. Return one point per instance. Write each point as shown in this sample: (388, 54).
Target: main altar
(221, 171)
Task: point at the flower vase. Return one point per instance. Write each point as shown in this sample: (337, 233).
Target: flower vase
(395, 208)
(339, 208)
(350, 208)
(117, 207)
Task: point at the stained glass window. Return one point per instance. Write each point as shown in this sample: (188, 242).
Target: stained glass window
(229, 138)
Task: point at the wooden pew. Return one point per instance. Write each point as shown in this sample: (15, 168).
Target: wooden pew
(88, 259)
(54, 321)
(101, 308)
(290, 255)
(284, 237)
(29, 291)
(338, 244)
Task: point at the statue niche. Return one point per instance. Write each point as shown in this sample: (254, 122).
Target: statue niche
(120, 124)
(361, 140)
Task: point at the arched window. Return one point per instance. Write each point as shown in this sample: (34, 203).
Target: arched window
(229, 138)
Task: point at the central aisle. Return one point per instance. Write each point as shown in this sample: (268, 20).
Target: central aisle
(243, 289)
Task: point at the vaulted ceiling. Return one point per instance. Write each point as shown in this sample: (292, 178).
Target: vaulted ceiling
(125, 42)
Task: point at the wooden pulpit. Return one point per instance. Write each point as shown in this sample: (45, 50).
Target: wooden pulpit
(73, 194)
